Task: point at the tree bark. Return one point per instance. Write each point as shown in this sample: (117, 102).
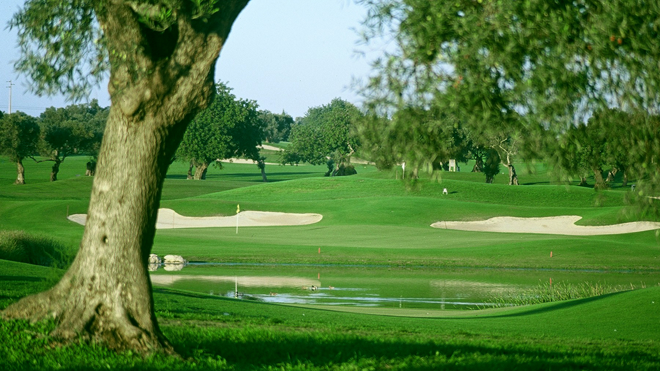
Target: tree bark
(611, 174)
(625, 178)
(20, 170)
(189, 176)
(106, 293)
(583, 181)
(513, 177)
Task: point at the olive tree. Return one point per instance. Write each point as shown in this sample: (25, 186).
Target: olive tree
(161, 57)
(19, 135)
(229, 127)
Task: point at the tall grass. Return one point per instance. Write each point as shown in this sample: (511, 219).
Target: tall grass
(546, 292)
(22, 247)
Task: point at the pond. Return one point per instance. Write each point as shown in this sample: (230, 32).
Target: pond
(393, 287)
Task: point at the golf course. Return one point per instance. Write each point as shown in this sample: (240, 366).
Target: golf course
(376, 279)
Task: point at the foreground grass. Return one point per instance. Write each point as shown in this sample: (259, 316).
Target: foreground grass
(608, 332)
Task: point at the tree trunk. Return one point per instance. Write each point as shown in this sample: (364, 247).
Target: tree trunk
(91, 168)
(200, 171)
(583, 181)
(55, 169)
(106, 293)
(189, 176)
(513, 177)
(490, 178)
(261, 164)
(20, 170)
(611, 174)
(598, 179)
(478, 165)
(168, 77)
(625, 179)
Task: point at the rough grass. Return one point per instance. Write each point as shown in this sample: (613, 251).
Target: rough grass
(22, 247)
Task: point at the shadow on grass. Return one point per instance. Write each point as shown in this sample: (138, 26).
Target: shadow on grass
(254, 349)
(257, 338)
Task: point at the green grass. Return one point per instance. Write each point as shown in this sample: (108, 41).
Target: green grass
(373, 219)
(606, 332)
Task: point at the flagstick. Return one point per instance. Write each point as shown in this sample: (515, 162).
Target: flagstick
(238, 210)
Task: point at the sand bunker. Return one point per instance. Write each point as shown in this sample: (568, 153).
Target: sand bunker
(550, 225)
(168, 219)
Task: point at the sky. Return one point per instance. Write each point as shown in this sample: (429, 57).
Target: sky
(287, 55)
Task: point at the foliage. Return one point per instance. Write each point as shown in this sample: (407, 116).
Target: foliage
(494, 63)
(420, 138)
(324, 132)
(229, 127)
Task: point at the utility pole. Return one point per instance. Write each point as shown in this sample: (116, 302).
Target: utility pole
(10, 85)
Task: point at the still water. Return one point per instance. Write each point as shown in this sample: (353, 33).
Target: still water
(369, 286)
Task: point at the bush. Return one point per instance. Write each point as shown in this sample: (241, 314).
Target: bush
(22, 247)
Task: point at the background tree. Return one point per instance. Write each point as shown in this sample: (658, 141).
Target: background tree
(418, 137)
(19, 135)
(161, 56)
(229, 127)
(325, 133)
(277, 126)
(495, 63)
(75, 129)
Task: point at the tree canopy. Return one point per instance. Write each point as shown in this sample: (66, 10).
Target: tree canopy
(75, 129)
(229, 127)
(19, 137)
(325, 132)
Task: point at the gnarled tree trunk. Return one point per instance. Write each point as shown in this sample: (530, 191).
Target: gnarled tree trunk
(200, 171)
(55, 169)
(513, 177)
(598, 179)
(106, 293)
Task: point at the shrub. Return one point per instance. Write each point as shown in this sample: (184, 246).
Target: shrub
(22, 247)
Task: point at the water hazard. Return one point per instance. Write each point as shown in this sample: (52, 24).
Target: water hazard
(369, 286)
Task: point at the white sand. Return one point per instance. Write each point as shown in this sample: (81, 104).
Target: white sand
(550, 225)
(168, 219)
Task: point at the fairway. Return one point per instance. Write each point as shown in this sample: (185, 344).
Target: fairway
(382, 274)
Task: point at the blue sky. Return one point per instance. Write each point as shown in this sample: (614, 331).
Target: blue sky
(288, 55)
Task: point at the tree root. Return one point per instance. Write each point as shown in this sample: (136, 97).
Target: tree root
(96, 320)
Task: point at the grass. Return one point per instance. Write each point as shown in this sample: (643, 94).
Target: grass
(372, 219)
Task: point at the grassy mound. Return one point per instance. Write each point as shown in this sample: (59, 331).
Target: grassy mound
(22, 247)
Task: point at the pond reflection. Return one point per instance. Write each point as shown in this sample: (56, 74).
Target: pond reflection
(428, 288)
